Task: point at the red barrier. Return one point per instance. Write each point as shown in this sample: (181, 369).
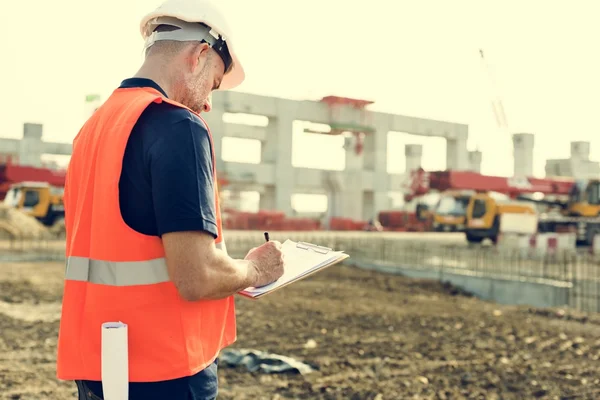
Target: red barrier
(267, 220)
(340, 224)
(277, 221)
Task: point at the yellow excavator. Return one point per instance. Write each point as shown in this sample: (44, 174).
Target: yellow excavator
(37, 199)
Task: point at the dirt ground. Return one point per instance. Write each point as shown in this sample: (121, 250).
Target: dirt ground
(371, 336)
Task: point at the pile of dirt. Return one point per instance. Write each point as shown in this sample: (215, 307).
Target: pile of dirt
(58, 229)
(14, 224)
(23, 291)
(369, 336)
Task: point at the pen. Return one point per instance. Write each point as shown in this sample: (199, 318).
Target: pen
(267, 236)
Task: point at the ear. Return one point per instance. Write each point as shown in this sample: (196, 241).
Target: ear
(198, 54)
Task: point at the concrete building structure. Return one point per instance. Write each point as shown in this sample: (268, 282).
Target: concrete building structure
(523, 144)
(475, 158)
(361, 190)
(578, 165)
(358, 192)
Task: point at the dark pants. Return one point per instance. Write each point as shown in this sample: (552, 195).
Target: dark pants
(202, 386)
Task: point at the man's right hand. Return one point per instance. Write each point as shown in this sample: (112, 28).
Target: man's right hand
(267, 261)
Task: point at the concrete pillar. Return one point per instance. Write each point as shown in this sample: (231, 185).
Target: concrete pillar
(375, 159)
(345, 189)
(368, 206)
(580, 151)
(277, 151)
(335, 183)
(414, 156)
(214, 120)
(457, 155)
(353, 161)
(553, 168)
(581, 165)
(475, 158)
(523, 144)
(375, 149)
(267, 198)
(31, 146)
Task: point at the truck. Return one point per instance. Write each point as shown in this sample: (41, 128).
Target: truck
(575, 207)
(578, 212)
(469, 202)
(449, 214)
(13, 173)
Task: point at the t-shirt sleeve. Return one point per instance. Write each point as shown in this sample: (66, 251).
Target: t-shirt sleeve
(181, 173)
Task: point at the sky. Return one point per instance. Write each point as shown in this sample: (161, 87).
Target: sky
(417, 58)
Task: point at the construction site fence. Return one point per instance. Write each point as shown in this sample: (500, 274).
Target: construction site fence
(577, 271)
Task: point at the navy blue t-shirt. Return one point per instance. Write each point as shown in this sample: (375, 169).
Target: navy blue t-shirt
(167, 186)
(167, 178)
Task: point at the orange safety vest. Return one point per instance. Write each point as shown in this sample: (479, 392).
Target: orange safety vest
(117, 274)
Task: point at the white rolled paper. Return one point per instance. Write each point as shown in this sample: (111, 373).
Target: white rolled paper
(115, 361)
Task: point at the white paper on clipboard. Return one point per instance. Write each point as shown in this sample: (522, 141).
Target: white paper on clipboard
(301, 259)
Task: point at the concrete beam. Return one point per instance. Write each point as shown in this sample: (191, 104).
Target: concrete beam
(315, 111)
(244, 131)
(310, 178)
(307, 180)
(9, 146)
(63, 149)
(262, 174)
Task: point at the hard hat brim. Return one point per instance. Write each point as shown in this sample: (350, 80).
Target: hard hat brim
(234, 77)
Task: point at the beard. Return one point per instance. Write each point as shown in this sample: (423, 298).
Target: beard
(198, 91)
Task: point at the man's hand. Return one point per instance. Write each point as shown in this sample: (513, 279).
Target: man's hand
(267, 261)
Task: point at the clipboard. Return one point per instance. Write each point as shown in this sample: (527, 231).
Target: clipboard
(313, 247)
(302, 260)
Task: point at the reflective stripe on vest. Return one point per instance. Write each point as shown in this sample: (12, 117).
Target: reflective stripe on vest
(119, 273)
(125, 273)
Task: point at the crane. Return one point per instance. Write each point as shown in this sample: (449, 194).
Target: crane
(497, 105)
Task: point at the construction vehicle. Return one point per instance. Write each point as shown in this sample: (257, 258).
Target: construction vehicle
(485, 211)
(494, 196)
(37, 199)
(469, 202)
(449, 214)
(578, 211)
(477, 215)
(13, 173)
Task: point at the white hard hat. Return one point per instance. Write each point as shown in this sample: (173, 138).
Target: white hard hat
(189, 15)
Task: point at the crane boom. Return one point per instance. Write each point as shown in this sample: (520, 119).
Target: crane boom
(497, 105)
(424, 181)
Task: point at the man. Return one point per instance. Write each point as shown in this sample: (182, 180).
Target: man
(144, 236)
